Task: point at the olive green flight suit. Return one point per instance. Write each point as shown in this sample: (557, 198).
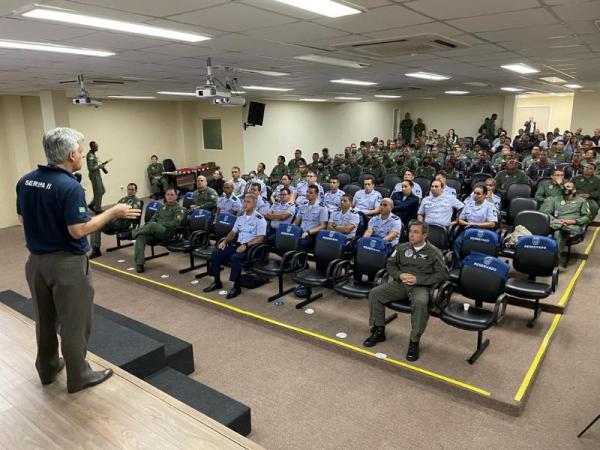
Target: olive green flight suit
(162, 226)
(94, 166)
(547, 189)
(158, 181)
(576, 208)
(278, 172)
(205, 199)
(591, 186)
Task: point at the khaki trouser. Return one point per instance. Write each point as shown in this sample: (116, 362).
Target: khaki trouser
(63, 299)
(394, 290)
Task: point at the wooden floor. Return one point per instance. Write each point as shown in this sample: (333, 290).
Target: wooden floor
(124, 412)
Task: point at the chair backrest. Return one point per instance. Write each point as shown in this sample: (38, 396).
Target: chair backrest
(188, 200)
(483, 277)
(479, 178)
(344, 179)
(351, 189)
(518, 205)
(371, 256)
(363, 177)
(151, 209)
(329, 245)
(425, 183)
(518, 190)
(391, 181)
(455, 184)
(438, 236)
(535, 221)
(536, 255)
(224, 224)
(169, 165)
(326, 186)
(199, 220)
(480, 241)
(384, 191)
(287, 238)
(469, 140)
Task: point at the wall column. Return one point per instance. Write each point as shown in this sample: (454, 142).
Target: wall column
(54, 109)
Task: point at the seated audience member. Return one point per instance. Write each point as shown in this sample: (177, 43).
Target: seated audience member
(303, 185)
(239, 184)
(437, 208)
(406, 204)
(590, 157)
(250, 229)
(294, 163)
(557, 153)
(416, 188)
(278, 171)
(217, 182)
(228, 203)
(482, 165)
(575, 168)
(337, 167)
(204, 197)
(510, 175)
(499, 159)
(588, 187)
(550, 188)
(353, 169)
(286, 182)
(491, 197)
(253, 178)
(385, 160)
(323, 174)
(414, 269)
(162, 226)
(523, 145)
(446, 190)
(367, 200)
(312, 217)
(376, 170)
(158, 182)
(344, 220)
(314, 165)
(261, 174)
(116, 225)
(569, 213)
(532, 158)
(426, 169)
(282, 211)
(541, 169)
(325, 159)
(385, 225)
(332, 198)
(261, 205)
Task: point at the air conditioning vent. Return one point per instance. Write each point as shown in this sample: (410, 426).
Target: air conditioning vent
(401, 46)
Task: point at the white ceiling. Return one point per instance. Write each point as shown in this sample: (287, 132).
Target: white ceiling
(559, 37)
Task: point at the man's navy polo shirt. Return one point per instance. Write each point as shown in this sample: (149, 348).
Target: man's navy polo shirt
(49, 199)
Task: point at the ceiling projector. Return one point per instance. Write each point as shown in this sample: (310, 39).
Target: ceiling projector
(84, 100)
(228, 101)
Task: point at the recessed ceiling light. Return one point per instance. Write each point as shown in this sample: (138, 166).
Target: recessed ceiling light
(553, 79)
(238, 92)
(558, 94)
(269, 73)
(511, 89)
(477, 83)
(520, 68)
(565, 46)
(187, 94)
(332, 61)
(456, 92)
(312, 100)
(324, 7)
(426, 98)
(354, 82)
(38, 46)
(573, 86)
(427, 76)
(132, 97)
(386, 96)
(348, 98)
(115, 25)
(267, 88)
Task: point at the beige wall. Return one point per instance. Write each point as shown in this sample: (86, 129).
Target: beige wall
(586, 112)
(561, 109)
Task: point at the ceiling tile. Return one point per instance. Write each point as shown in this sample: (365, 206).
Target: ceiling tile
(377, 19)
(444, 9)
(297, 32)
(156, 9)
(568, 13)
(504, 21)
(30, 30)
(181, 50)
(116, 41)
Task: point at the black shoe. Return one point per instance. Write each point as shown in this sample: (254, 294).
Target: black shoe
(213, 286)
(92, 379)
(413, 351)
(234, 292)
(61, 366)
(95, 253)
(377, 335)
(139, 268)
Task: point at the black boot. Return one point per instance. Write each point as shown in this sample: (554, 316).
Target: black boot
(377, 335)
(95, 253)
(139, 268)
(216, 284)
(413, 351)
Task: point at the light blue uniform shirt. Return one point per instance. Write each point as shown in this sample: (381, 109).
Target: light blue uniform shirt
(249, 227)
(279, 187)
(381, 227)
(302, 189)
(239, 187)
(496, 201)
(279, 208)
(261, 206)
(416, 189)
(486, 212)
(364, 201)
(311, 215)
(332, 200)
(231, 205)
(342, 219)
(263, 187)
(438, 210)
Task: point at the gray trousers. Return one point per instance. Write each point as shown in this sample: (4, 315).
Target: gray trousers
(63, 299)
(394, 290)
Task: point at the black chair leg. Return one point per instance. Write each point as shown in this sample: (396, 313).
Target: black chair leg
(281, 292)
(193, 265)
(481, 346)
(568, 256)
(589, 426)
(536, 314)
(119, 245)
(203, 274)
(391, 318)
(311, 298)
(153, 255)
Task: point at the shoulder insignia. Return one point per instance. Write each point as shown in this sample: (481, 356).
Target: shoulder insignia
(234, 198)
(290, 203)
(395, 217)
(259, 216)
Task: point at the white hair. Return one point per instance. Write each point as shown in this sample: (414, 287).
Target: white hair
(59, 142)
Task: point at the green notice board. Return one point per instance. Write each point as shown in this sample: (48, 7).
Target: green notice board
(211, 132)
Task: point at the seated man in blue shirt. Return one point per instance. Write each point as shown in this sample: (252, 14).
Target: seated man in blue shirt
(345, 220)
(280, 212)
(366, 201)
(261, 205)
(437, 208)
(312, 218)
(228, 203)
(406, 204)
(385, 225)
(333, 196)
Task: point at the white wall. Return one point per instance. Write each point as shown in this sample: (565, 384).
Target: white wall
(561, 109)
(586, 112)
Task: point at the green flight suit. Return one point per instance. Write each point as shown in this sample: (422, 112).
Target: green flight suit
(263, 177)
(158, 181)
(418, 128)
(313, 166)
(576, 208)
(326, 161)
(354, 170)
(412, 163)
(293, 166)
(406, 126)
(387, 162)
(504, 180)
(547, 189)
(334, 171)
(528, 161)
(490, 129)
(205, 199)
(399, 170)
(94, 166)
(323, 175)
(425, 171)
(116, 225)
(558, 157)
(378, 173)
(591, 186)
(429, 268)
(278, 172)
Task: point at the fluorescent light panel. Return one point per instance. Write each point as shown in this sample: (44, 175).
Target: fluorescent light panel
(427, 76)
(238, 92)
(386, 96)
(114, 25)
(269, 73)
(348, 98)
(324, 7)
(520, 68)
(553, 79)
(187, 94)
(456, 92)
(320, 100)
(267, 88)
(573, 86)
(132, 97)
(38, 46)
(353, 82)
(332, 61)
(511, 89)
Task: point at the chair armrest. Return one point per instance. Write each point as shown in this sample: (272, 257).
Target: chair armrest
(443, 293)
(498, 315)
(335, 269)
(299, 260)
(287, 259)
(199, 239)
(554, 279)
(259, 252)
(449, 259)
(381, 276)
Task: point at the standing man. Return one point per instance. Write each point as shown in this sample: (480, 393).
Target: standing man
(490, 128)
(51, 206)
(406, 127)
(158, 181)
(414, 269)
(94, 168)
(250, 229)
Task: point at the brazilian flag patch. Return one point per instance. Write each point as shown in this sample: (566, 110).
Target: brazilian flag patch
(82, 209)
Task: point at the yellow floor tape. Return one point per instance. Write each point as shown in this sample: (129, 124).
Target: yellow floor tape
(303, 331)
